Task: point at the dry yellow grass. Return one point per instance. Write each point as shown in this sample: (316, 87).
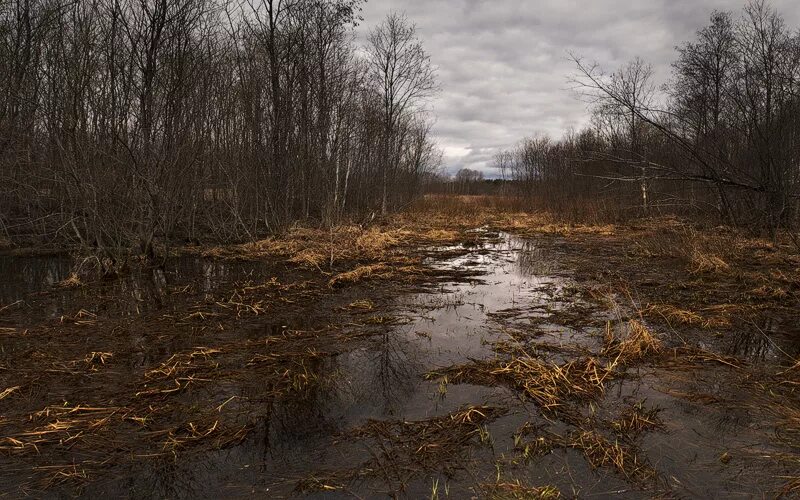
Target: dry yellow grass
(363, 305)
(7, 392)
(673, 314)
(600, 452)
(360, 273)
(636, 420)
(515, 490)
(712, 318)
(71, 281)
(632, 344)
(701, 262)
(550, 385)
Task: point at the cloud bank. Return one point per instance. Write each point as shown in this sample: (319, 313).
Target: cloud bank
(504, 67)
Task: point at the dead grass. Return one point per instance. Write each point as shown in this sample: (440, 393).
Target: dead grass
(600, 452)
(403, 450)
(362, 305)
(428, 443)
(633, 343)
(360, 273)
(702, 262)
(180, 371)
(515, 490)
(322, 248)
(9, 391)
(636, 420)
(62, 426)
(713, 317)
(71, 281)
(691, 354)
(549, 384)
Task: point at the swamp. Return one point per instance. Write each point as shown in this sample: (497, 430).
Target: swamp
(399, 249)
(495, 355)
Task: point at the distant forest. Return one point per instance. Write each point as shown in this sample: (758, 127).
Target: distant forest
(131, 123)
(720, 139)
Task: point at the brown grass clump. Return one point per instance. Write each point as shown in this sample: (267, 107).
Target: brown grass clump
(600, 452)
(715, 317)
(360, 273)
(517, 491)
(320, 247)
(180, 371)
(403, 450)
(439, 236)
(374, 242)
(695, 354)
(673, 314)
(636, 420)
(210, 435)
(701, 262)
(97, 358)
(550, 385)
(596, 448)
(636, 343)
(62, 425)
(362, 305)
(71, 281)
(9, 391)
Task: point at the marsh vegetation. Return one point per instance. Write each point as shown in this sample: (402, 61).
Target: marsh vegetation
(232, 268)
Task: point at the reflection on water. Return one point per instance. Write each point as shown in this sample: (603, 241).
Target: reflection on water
(142, 290)
(20, 276)
(304, 432)
(771, 340)
(300, 434)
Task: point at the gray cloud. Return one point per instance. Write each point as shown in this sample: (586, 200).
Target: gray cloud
(503, 64)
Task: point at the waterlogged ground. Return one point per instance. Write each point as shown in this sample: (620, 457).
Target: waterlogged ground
(228, 379)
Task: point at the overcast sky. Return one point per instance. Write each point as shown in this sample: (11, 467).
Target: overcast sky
(503, 64)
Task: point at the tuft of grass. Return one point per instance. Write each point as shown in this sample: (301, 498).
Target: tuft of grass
(600, 452)
(636, 420)
(362, 305)
(361, 273)
(549, 384)
(701, 262)
(635, 343)
(72, 281)
(515, 490)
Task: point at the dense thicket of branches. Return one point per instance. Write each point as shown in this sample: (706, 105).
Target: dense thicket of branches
(721, 137)
(129, 122)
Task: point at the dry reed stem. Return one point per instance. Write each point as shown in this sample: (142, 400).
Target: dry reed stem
(8, 392)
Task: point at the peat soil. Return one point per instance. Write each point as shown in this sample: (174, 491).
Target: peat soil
(222, 378)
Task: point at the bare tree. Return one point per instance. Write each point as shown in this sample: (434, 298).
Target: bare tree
(402, 73)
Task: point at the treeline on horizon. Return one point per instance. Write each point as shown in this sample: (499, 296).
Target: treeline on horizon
(721, 138)
(131, 123)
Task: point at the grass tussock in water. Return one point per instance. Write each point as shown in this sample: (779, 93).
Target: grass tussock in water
(636, 420)
(516, 490)
(406, 450)
(634, 343)
(618, 454)
(549, 384)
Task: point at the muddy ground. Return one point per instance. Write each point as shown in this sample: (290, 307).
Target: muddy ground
(490, 356)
